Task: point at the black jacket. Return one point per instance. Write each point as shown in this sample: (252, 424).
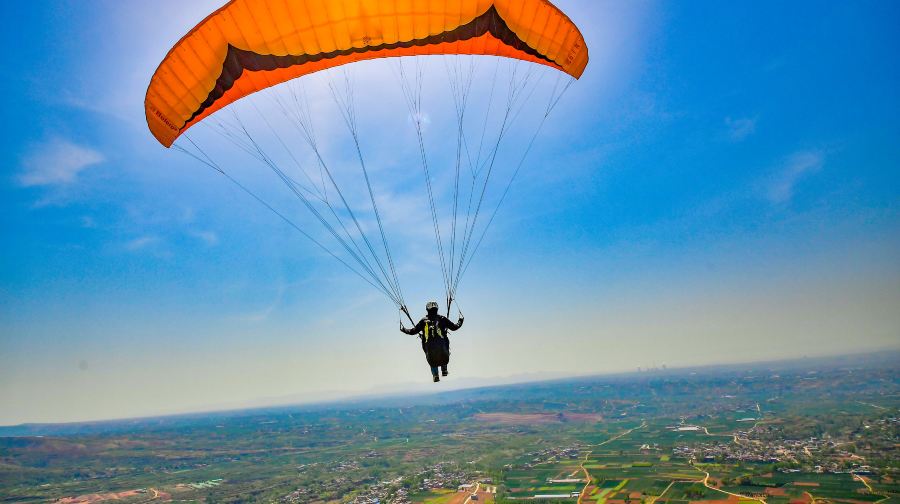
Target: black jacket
(439, 324)
(435, 343)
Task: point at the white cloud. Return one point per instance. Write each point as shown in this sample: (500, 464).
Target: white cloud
(208, 237)
(739, 129)
(57, 162)
(141, 243)
(423, 118)
(798, 166)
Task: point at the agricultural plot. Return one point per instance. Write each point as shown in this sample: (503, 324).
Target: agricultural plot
(834, 487)
(637, 466)
(451, 497)
(435, 497)
(884, 487)
(545, 479)
(691, 491)
(657, 451)
(634, 487)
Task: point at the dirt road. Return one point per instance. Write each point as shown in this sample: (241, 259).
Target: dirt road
(707, 485)
(587, 455)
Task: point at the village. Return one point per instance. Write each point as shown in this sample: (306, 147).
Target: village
(551, 455)
(811, 455)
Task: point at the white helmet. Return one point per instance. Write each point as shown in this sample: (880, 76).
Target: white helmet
(432, 305)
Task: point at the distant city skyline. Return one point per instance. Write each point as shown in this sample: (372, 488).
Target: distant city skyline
(721, 186)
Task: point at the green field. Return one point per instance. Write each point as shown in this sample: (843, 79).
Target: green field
(423, 452)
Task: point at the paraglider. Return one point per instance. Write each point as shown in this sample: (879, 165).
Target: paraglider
(434, 331)
(248, 46)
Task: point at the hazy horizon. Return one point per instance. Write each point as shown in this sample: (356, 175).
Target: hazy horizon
(721, 186)
(413, 390)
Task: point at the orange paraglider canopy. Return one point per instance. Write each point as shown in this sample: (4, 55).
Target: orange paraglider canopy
(250, 45)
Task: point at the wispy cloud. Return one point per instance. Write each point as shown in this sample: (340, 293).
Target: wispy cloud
(210, 238)
(141, 243)
(798, 165)
(56, 162)
(739, 129)
(263, 314)
(423, 118)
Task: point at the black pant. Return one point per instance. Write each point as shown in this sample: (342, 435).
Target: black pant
(437, 353)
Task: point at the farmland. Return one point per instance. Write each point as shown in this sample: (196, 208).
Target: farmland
(776, 433)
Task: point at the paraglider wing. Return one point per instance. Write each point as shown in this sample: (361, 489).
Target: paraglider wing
(250, 45)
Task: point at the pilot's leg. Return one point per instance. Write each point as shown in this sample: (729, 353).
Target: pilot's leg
(447, 346)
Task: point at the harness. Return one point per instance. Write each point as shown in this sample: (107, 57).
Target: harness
(437, 329)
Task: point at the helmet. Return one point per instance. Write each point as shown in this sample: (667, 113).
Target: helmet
(432, 305)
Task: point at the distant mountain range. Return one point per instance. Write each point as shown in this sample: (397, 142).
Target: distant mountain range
(408, 395)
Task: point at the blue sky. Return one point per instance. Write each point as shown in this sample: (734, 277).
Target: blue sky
(720, 186)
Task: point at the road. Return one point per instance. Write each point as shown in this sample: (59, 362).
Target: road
(654, 499)
(707, 485)
(864, 481)
(587, 475)
(752, 441)
(156, 494)
(705, 480)
(469, 498)
(873, 405)
(706, 430)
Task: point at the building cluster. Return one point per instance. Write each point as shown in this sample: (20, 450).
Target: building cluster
(813, 454)
(551, 455)
(297, 496)
(647, 448)
(384, 492)
(444, 475)
(745, 450)
(344, 465)
(441, 476)
(834, 468)
(330, 488)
